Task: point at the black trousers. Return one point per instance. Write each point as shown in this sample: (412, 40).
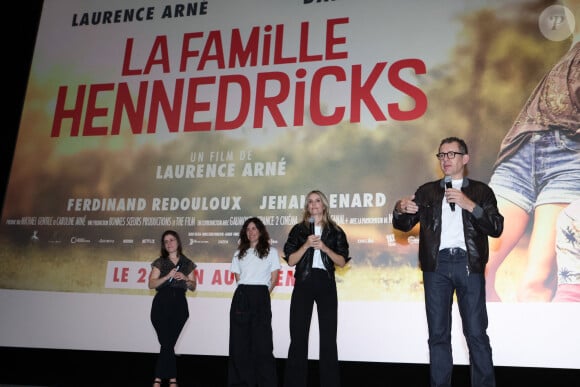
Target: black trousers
(251, 359)
(169, 312)
(319, 288)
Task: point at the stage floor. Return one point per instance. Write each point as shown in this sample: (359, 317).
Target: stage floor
(25, 367)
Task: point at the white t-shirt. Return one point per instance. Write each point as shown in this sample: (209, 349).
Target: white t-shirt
(452, 223)
(253, 270)
(317, 259)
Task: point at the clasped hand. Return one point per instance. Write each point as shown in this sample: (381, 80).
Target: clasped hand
(315, 242)
(458, 197)
(177, 275)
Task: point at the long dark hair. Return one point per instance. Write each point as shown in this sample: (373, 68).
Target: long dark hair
(164, 252)
(263, 245)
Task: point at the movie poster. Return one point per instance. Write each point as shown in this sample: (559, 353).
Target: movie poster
(143, 116)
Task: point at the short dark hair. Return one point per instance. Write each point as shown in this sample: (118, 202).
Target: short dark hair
(462, 144)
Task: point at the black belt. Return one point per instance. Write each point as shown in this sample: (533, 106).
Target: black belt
(453, 251)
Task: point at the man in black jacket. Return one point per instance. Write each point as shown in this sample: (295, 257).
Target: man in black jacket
(457, 215)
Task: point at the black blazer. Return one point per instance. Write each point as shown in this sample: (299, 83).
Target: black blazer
(332, 235)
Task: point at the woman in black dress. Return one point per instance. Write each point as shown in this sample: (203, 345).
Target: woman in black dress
(172, 274)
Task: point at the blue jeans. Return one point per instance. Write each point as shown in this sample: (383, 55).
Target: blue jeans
(453, 276)
(545, 170)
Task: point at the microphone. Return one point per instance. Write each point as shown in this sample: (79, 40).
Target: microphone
(311, 220)
(448, 185)
(176, 270)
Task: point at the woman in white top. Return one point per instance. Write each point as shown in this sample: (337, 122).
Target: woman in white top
(256, 266)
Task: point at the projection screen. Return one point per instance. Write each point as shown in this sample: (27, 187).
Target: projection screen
(142, 116)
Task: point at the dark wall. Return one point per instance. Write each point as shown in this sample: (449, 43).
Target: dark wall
(19, 38)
